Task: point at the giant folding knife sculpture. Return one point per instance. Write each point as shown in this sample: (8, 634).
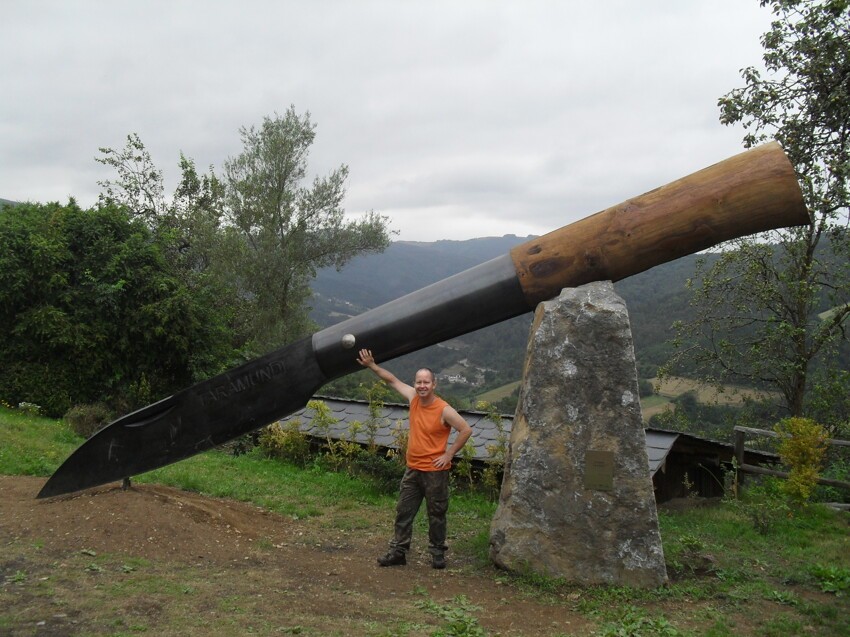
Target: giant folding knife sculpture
(748, 193)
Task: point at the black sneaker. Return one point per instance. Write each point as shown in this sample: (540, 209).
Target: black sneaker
(393, 558)
(438, 561)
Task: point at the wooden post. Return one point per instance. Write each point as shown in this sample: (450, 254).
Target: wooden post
(743, 467)
(739, 458)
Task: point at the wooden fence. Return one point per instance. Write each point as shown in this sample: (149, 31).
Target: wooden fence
(740, 434)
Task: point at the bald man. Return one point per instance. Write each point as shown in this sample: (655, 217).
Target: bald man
(428, 460)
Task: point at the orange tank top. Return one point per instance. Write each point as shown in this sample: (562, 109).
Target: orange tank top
(428, 435)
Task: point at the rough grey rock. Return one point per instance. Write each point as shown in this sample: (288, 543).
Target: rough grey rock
(557, 516)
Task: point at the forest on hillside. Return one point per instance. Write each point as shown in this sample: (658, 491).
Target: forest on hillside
(654, 299)
(492, 357)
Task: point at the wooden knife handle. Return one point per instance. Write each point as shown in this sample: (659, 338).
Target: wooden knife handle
(749, 193)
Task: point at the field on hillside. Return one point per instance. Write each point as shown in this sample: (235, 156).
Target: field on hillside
(672, 387)
(652, 405)
(495, 395)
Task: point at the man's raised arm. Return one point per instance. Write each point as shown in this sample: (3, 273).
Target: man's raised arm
(367, 360)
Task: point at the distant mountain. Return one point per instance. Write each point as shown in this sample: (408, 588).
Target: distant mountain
(374, 279)
(492, 356)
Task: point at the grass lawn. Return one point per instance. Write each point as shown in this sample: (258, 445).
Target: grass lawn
(746, 567)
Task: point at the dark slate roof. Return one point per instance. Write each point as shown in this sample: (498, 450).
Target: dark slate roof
(658, 445)
(485, 433)
(346, 412)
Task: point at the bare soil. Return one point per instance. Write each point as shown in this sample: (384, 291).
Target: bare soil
(157, 560)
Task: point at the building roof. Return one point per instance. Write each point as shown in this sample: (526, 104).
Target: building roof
(485, 433)
(658, 445)
(393, 418)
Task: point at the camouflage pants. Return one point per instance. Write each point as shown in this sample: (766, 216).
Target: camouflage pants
(433, 486)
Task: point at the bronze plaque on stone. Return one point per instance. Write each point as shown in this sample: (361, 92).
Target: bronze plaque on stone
(599, 470)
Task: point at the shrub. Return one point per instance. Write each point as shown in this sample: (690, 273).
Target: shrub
(241, 444)
(645, 388)
(30, 409)
(377, 395)
(93, 310)
(462, 463)
(341, 455)
(384, 471)
(838, 469)
(803, 449)
(491, 476)
(763, 504)
(689, 556)
(86, 420)
(285, 442)
(323, 419)
(400, 438)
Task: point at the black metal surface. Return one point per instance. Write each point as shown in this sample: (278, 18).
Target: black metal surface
(193, 420)
(478, 297)
(274, 386)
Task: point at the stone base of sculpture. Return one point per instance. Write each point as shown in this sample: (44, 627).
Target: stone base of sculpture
(577, 501)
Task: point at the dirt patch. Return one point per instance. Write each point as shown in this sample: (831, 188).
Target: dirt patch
(164, 561)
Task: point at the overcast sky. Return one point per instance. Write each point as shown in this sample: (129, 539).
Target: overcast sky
(457, 119)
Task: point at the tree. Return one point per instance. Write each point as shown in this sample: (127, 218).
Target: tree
(254, 239)
(91, 311)
(188, 226)
(139, 187)
(772, 309)
(288, 230)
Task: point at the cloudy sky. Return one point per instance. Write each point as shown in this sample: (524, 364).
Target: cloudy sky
(457, 119)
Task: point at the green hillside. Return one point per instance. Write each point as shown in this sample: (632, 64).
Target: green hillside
(371, 280)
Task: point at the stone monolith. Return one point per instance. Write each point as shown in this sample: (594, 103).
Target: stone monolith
(577, 501)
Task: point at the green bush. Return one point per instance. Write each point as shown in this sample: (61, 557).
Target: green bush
(285, 442)
(491, 476)
(764, 504)
(341, 455)
(803, 450)
(838, 469)
(385, 472)
(645, 388)
(241, 445)
(30, 409)
(85, 420)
